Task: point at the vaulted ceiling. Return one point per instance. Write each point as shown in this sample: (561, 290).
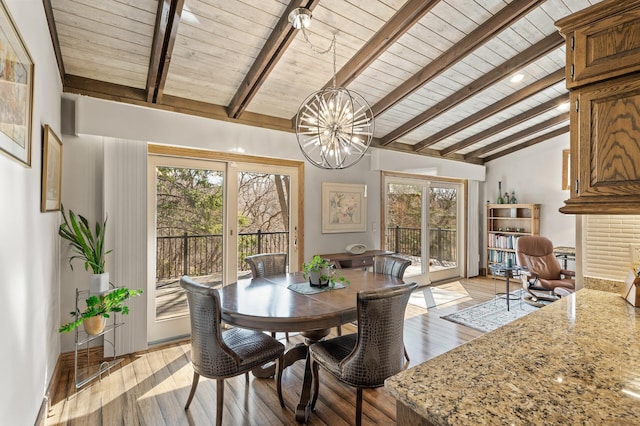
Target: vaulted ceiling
(438, 74)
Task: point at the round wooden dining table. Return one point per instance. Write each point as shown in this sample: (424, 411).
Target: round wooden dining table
(270, 304)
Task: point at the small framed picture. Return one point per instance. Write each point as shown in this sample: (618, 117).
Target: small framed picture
(344, 208)
(51, 171)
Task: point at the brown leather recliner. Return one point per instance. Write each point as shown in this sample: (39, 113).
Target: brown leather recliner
(544, 274)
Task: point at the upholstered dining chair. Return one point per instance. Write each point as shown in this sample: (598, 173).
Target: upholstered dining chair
(218, 355)
(544, 279)
(266, 265)
(365, 359)
(390, 265)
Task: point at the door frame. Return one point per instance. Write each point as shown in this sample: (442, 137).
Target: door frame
(230, 162)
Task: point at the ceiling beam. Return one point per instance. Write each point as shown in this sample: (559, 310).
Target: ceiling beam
(514, 98)
(489, 29)
(507, 124)
(281, 37)
(530, 142)
(129, 95)
(164, 36)
(502, 71)
(53, 32)
(391, 31)
(518, 135)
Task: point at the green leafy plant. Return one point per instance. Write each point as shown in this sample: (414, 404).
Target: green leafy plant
(328, 275)
(86, 245)
(102, 305)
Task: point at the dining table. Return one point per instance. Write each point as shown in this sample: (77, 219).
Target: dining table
(287, 303)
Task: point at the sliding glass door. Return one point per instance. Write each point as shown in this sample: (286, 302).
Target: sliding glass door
(423, 220)
(205, 217)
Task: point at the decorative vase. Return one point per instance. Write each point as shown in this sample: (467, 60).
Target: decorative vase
(99, 283)
(506, 198)
(513, 198)
(316, 278)
(500, 200)
(94, 325)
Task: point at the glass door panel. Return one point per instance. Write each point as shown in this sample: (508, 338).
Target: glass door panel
(404, 223)
(263, 215)
(443, 230)
(186, 207)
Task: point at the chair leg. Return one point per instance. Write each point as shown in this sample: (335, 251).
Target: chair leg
(406, 355)
(219, 401)
(286, 335)
(273, 334)
(339, 330)
(315, 380)
(194, 385)
(358, 406)
(246, 377)
(280, 367)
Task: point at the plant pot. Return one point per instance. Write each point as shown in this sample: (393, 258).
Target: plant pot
(319, 278)
(94, 325)
(99, 283)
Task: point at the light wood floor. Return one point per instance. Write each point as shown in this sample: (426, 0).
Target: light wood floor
(151, 387)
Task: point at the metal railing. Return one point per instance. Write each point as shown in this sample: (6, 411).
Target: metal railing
(407, 241)
(198, 255)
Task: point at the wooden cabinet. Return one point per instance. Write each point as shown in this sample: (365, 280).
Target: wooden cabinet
(603, 73)
(505, 224)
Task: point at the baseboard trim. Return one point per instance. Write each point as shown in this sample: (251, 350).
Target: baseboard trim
(45, 406)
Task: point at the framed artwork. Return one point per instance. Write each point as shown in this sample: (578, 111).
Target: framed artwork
(566, 168)
(16, 91)
(344, 208)
(51, 171)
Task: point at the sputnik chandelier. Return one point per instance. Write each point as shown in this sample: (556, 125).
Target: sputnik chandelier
(334, 126)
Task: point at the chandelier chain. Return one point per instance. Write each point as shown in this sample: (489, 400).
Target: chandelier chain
(331, 48)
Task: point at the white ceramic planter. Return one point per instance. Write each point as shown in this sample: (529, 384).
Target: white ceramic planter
(99, 283)
(314, 277)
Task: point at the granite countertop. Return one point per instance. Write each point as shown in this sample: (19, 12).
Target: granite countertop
(576, 361)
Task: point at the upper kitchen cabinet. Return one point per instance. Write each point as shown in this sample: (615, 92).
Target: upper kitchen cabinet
(603, 75)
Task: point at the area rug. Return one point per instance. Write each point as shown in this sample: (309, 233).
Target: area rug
(441, 294)
(490, 315)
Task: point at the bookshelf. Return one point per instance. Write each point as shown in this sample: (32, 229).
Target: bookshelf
(505, 224)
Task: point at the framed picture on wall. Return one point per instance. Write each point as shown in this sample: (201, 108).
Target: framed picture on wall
(51, 171)
(344, 208)
(16, 91)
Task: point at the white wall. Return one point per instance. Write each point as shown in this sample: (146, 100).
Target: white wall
(535, 174)
(29, 253)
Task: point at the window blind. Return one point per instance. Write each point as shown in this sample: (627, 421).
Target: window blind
(606, 245)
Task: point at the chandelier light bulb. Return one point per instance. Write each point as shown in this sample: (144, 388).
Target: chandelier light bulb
(300, 18)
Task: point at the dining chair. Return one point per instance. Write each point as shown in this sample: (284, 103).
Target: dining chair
(266, 265)
(390, 265)
(219, 355)
(365, 359)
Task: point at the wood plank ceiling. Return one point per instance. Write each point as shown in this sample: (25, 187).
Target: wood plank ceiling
(437, 73)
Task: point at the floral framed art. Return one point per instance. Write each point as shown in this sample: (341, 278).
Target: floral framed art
(16, 91)
(51, 171)
(344, 208)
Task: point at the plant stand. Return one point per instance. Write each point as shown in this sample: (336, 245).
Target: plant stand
(88, 372)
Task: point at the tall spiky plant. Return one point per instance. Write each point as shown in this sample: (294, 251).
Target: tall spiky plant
(86, 246)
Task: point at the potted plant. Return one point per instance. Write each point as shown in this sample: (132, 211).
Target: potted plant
(98, 309)
(87, 246)
(321, 273)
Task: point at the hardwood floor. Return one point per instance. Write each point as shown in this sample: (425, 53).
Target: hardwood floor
(151, 387)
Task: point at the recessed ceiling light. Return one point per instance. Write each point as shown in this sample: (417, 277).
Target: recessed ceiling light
(564, 107)
(517, 78)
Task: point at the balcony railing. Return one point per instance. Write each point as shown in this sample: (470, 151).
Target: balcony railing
(198, 255)
(407, 241)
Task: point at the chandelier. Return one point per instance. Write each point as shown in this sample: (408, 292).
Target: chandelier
(334, 126)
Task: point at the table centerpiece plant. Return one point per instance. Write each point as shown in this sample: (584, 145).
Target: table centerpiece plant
(321, 273)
